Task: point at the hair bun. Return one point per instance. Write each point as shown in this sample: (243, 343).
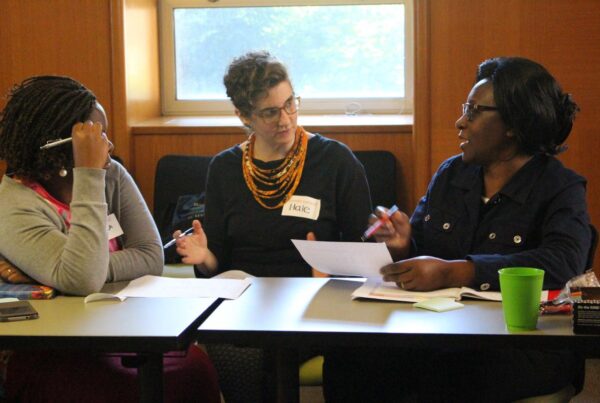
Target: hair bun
(569, 106)
(565, 116)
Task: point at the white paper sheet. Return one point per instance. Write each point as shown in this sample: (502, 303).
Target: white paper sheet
(363, 259)
(167, 287)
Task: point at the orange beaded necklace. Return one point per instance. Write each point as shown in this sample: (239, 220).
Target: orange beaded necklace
(272, 188)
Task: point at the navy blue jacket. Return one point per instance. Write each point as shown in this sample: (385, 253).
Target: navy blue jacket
(538, 219)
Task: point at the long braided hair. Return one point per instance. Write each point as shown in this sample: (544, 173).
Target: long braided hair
(41, 109)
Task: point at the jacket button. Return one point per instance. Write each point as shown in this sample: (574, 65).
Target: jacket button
(492, 235)
(484, 286)
(446, 226)
(517, 239)
(427, 217)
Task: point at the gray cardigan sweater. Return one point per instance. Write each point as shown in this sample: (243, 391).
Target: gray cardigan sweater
(76, 260)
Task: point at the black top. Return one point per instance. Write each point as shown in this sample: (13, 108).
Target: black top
(538, 219)
(244, 235)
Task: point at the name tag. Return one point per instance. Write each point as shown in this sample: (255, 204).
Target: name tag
(113, 227)
(302, 206)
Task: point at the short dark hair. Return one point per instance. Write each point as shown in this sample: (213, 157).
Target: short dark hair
(531, 103)
(40, 109)
(250, 77)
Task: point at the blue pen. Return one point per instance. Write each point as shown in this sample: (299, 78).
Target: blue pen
(375, 226)
(184, 233)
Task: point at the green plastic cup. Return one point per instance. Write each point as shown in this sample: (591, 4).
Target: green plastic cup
(521, 289)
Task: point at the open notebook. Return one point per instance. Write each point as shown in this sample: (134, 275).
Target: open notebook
(376, 289)
(167, 287)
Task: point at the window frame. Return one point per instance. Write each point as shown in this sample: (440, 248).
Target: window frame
(310, 106)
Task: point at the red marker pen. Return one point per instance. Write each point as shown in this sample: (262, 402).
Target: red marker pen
(375, 226)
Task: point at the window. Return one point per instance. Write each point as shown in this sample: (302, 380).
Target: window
(343, 56)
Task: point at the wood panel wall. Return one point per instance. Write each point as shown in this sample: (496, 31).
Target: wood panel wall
(141, 68)
(86, 40)
(57, 37)
(111, 46)
(457, 35)
(152, 143)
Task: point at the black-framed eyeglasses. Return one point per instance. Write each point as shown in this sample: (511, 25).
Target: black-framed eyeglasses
(272, 115)
(471, 110)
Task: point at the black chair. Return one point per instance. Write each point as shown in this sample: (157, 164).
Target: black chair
(179, 186)
(380, 167)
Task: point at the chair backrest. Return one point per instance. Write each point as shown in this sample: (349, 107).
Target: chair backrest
(592, 251)
(380, 167)
(176, 176)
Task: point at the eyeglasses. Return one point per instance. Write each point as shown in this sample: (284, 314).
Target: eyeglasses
(272, 115)
(471, 110)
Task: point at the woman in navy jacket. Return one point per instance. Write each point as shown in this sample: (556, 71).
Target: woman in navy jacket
(505, 201)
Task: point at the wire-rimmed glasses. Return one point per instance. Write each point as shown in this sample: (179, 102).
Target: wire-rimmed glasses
(272, 115)
(471, 110)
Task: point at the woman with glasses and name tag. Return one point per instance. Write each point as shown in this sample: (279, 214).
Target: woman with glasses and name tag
(282, 183)
(506, 201)
(73, 219)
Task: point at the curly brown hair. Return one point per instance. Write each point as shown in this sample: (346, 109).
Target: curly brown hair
(40, 109)
(250, 77)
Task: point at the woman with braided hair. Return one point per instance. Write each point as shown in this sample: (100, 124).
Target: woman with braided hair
(55, 206)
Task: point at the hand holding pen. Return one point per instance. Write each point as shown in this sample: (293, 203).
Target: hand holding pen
(175, 238)
(385, 217)
(397, 236)
(193, 248)
(91, 147)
